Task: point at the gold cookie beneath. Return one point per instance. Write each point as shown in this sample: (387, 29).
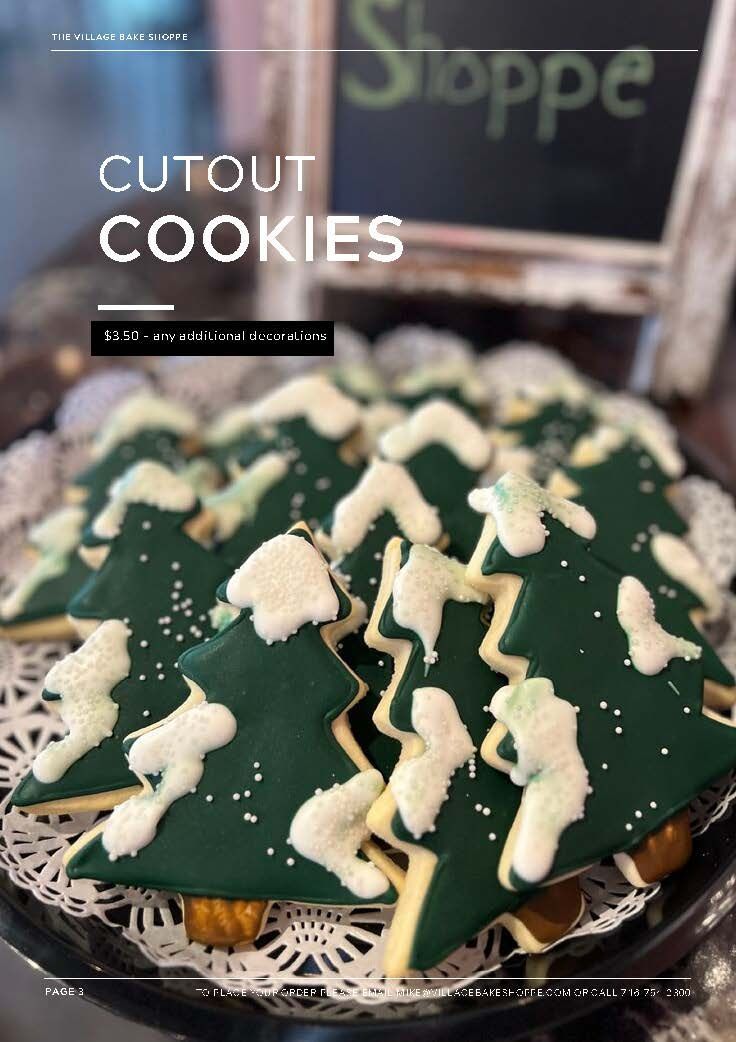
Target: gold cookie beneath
(221, 923)
(659, 853)
(56, 627)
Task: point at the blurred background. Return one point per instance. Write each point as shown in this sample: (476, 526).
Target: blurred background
(62, 113)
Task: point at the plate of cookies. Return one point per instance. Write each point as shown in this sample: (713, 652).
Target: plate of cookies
(343, 693)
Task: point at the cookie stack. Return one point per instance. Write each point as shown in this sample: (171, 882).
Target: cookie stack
(429, 636)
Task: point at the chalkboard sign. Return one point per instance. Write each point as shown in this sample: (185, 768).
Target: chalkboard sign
(558, 153)
(573, 142)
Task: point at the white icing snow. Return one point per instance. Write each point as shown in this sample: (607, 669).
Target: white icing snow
(287, 583)
(330, 827)
(175, 750)
(517, 505)
(55, 539)
(421, 588)
(420, 784)
(549, 767)
(327, 410)
(384, 487)
(650, 645)
(643, 421)
(447, 373)
(139, 412)
(84, 680)
(377, 418)
(229, 426)
(442, 423)
(148, 483)
(238, 502)
(675, 557)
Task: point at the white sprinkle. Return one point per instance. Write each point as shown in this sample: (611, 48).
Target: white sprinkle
(146, 525)
(492, 836)
(258, 777)
(603, 705)
(628, 827)
(247, 793)
(596, 614)
(142, 676)
(627, 661)
(175, 566)
(146, 712)
(143, 558)
(653, 804)
(637, 813)
(209, 798)
(270, 852)
(581, 578)
(617, 712)
(619, 730)
(664, 751)
(604, 766)
(236, 795)
(564, 564)
(144, 643)
(256, 765)
(686, 709)
(290, 861)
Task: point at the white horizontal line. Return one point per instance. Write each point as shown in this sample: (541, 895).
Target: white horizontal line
(366, 50)
(135, 307)
(416, 982)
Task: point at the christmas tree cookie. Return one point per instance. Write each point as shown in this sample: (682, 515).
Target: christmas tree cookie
(293, 465)
(603, 724)
(227, 436)
(141, 426)
(385, 502)
(547, 418)
(446, 809)
(146, 601)
(255, 788)
(445, 451)
(624, 479)
(35, 609)
(452, 379)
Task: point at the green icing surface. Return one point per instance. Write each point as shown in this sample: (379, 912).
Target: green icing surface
(447, 394)
(626, 494)
(51, 597)
(553, 625)
(552, 432)
(284, 697)
(445, 482)
(125, 588)
(465, 894)
(301, 494)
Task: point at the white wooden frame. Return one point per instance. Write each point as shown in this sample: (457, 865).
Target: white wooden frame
(683, 281)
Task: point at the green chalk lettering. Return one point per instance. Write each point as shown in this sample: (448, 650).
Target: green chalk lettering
(401, 79)
(465, 79)
(553, 99)
(628, 67)
(504, 94)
